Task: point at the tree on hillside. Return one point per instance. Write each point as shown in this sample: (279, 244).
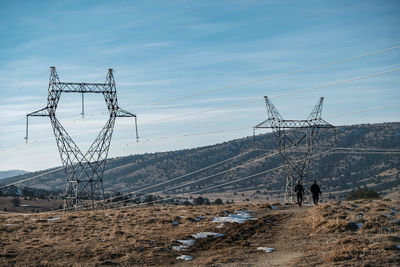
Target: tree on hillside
(27, 193)
(149, 199)
(117, 197)
(218, 201)
(198, 201)
(15, 201)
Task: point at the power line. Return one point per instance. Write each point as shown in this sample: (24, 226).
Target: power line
(368, 148)
(204, 178)
(331, 150)
(365, 110)
(216, 186)
(24, 85)
(162, 182)
(366, 152)
(179, 177)
(191, 134)
(275, 96)
(31, 178)
(363, 150)
(337, 83)
(223, 184)
(277, 76)
(23, 145)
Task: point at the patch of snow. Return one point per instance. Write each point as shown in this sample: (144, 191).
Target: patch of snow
(199, 218)
(387, 216)
(398, 246)
(184, 257)
(394, 211)
(187, 242)
(24, 205)
(273, 207)
(179, 248)
(360, 215)
(359, 225)
(10, 224)
(221, 225)
(238, 217)
(308, 205)
(396, 221)
(53, 218)
(266, 249)
(175, 223)
(206, 234)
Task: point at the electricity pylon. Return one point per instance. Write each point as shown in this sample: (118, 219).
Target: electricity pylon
(291, 134)
(84, 171)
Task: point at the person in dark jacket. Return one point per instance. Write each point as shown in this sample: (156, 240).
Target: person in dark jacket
(299, 189)
(315, 191)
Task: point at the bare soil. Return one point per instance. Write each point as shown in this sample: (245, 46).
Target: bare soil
(324, 235)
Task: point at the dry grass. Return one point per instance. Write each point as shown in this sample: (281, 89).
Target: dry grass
(363, 232)
(144, 236)
(128, 237)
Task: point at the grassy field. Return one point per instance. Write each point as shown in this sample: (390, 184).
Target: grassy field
(29, 206)
(362, 233)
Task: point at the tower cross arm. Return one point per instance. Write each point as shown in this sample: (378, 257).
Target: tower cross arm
(123, 113)
(268, 123)
(67, 87)
(292, 124)
(320, 123)
(39, 113)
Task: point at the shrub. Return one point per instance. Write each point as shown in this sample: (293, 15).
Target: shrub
(363, 193)
(218, 201)
(198, 201)
(15, 201)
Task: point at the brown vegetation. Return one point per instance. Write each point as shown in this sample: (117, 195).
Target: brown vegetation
(145, 236)
(363, 232)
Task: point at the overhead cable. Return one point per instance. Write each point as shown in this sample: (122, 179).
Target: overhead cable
(279, 75)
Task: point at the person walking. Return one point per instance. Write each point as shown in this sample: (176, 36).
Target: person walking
(299, 189)
(315, 191)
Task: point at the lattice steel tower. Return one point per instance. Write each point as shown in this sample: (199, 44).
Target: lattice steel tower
(294, 134)
(84, 171)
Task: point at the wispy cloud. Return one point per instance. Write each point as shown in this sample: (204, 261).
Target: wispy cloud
(128, 47)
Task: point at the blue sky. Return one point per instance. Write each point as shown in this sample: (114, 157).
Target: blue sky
(164, 50)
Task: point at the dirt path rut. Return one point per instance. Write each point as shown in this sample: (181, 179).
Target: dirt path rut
(288, 239)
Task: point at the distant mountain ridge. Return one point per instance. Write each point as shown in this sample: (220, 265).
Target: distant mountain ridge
(11, 173)
(337, 172)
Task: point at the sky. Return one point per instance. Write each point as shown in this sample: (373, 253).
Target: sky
(194, 72)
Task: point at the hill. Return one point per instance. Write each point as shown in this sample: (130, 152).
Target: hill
(11, 173)
(338, 173)
(357, 233)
